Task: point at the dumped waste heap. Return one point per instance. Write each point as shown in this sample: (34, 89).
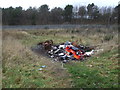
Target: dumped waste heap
(66, 51)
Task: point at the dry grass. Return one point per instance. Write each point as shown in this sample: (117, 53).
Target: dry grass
(17, 57)
(19, 60)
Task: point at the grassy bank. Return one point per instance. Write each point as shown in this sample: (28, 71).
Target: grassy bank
(21, 64)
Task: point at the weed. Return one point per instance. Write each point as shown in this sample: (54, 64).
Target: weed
(108, 37)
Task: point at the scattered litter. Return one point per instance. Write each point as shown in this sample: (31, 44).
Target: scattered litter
(90, 65)
(40, 69)
(43, 66)
(90, 53)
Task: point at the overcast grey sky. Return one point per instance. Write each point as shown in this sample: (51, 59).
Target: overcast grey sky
(56, 3)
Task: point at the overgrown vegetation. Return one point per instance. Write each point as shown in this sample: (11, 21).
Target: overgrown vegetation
(108, 37)
(20, 64)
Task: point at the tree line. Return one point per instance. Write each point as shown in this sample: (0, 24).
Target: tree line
(90, 14)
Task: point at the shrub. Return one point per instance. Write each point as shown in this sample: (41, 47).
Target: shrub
(108, 37)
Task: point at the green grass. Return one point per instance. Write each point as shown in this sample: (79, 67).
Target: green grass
(99, 71)
(85, 78)
(18, 66)
(18, 78)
